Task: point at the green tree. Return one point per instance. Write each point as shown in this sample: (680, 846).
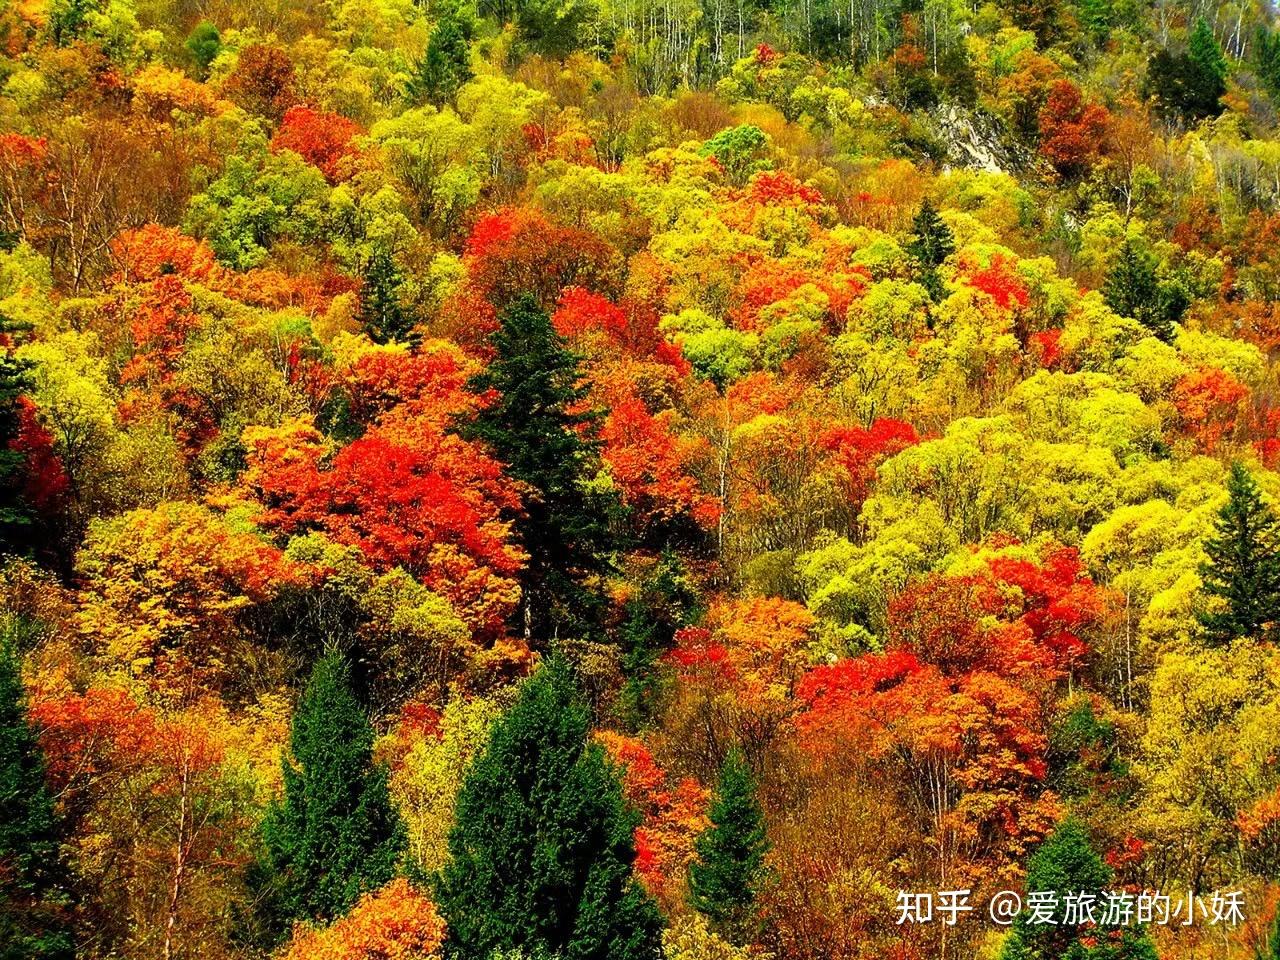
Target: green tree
(931, 243)
(15, 380)
(727, 875)
(1133, 289)
(535, 427)
(336, 834)
(446, 65)
(740, 151)
(1203, 49)
(1190, 84)
(542, 846)
(381, 312)
(1243, 567)
(1067, 865)
(203, 44)
(665, 602)
(33, 898)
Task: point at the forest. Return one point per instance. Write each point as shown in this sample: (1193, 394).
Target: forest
(639, 479)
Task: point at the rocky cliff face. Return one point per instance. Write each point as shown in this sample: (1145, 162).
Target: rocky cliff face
(978, 142)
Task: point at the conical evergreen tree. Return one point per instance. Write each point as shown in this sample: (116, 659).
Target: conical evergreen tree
(931, 243)
(33, 898)
(1243, 568)
(542, 846)
(1133, 289)
(16, 517)
(384, 318)
(726, 877)
(665, 602)
(1203, 49)
(336, 834)
(1066, 864)
(446, 65)
(534, 428)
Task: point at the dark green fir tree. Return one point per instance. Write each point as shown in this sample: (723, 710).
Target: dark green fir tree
(1133, 289)
(1190, 85)
(1242, 572)
(542, 850)
(446, 64)
(535, 427)
(1206, 54)
(34, 913)
(931, 243)
(16, 517)
(336, 834)
(204, 43)
(727, 875)
(384, 317)
(1066, 864)
(665, 602)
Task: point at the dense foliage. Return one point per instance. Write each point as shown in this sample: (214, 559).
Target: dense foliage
(615, 479)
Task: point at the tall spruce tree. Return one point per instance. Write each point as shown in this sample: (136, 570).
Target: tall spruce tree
(1067, 864)
(34, 923)
(541, 850)
(664, 602)
(548, 445)
(336, 834)
(16, 517)
(446, 64)
(727, 874)
(931, 243)
(1133, 289)
(1243, 567)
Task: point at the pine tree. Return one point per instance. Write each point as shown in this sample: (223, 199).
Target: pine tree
(534, 427)
(542, 847)
(33, 899)
(336, 834)
(383, 317)
(1133, 289)
(729, 870)
(1067, 864)
(931, 243)
(1243, 568)
(1203, 49)
(16, 517)
(663, 604)
(446, 65)
(1191, 84)
(204, 43)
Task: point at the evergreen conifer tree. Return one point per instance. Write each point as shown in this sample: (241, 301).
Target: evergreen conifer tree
(726, 877)
(664, 603)
(931, 243)
(1066, 864)
(16, 518)
(383, 316)
(1133, 289)
(446, 64)
(548, 445)
(336, 834)
(1203, 49)
(1243, 567)
(204, 43)
(33, 898)
(542, 846)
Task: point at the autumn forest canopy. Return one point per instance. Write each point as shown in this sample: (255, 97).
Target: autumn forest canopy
(636, 480)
